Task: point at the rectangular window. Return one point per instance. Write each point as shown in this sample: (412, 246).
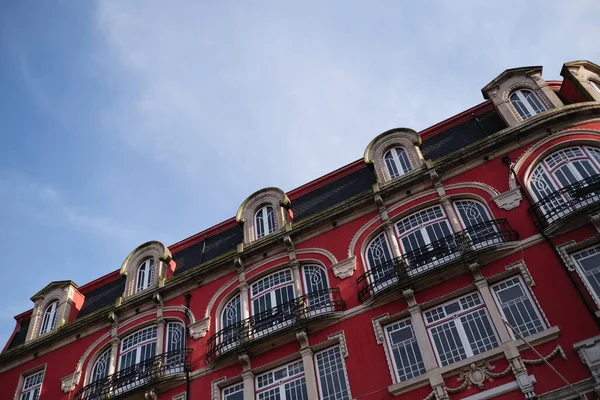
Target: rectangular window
(332, 375)
(404, 350)
(517, 307)
(32, 385)
(460, 328)
(235, 392)
(285, 382)
(588, 266)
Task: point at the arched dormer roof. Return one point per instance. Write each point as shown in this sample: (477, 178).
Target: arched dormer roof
(271, 196)
(152, 249)
(376, 150)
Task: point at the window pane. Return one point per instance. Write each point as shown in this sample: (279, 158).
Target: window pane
(518, 308)
(296, 390)
(480, 333)
(332, 378)
(519, 106)
(405, 350)
(447, 343)
(234, 392)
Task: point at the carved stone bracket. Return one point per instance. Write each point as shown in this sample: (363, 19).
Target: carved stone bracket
(342, 340)
(509, 200)
(345, 268)
(378, 328)
(199, 329)
(244, 359)
(595, 219)
(476, 374)
(409, 296)
(69, 382)
(303, 339)
(150, 394)
(523, 270)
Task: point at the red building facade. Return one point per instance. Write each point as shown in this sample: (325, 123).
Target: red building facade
(462, 261)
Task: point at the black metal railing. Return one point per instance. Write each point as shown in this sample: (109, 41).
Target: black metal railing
(457, 247)
(566, 201)
(275, 320)
(136, 376)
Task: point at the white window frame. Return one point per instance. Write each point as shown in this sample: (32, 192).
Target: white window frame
(138, 345)
(32, 385)
(582, 274)
(231, 390)
(280, 384)
(397, 162)
(525, 290)
(147, 280)
(103, 358)
(49, 318)
(271, 289)
(343, 371)
(595, 85)
(265, 221)
(522, 98)
(455, 317)
(388, 343)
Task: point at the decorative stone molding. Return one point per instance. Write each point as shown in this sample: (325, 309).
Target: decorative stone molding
(69, 382)
(215, 388)
(476, 374)
(345, 268)
(509, 200)
(180, 396)
(341, 337)
(199, 329)
(589, 353)
(558, 350)
(501, 88)
(65, 293)
(274, 197)
(303, 339)
(150, 394)
(244, 359)
(409, 296)
(595, 220)
(523, 270)
(399, 137)
(378, 328)
(581, 73)
(154, 250)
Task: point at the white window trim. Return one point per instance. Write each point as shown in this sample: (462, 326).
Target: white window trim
(265, 221)
(50, 324)
(149, 272)
(581, 273)
(529, 295)
(459, 326)
(137, 345)
(595, 85)
(317, 375)
(304, 280)
(390, 350)
(232, 387)
(271, 290)
(281, 383)
(397, 163)
(520, 93)
(24, 379)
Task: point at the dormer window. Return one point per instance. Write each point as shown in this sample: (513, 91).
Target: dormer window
(595, 86)
(526, 103)
(145, 275)
(397, 162)
(264, 221)
(49, 319)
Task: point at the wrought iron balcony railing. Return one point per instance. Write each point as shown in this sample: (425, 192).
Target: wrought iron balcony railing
(457, 247)
(566, 201)
(137, 376)
(275, 320)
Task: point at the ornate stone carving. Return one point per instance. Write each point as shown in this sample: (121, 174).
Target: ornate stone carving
(509, 200)
(215, 390)
(244, 359)
(595, 219)
(379, 336)
(302, 338)
(69, 382)
(409, 296)
(150, 395)
(342, 341)
(344, 269)
(476, 374)
(558, 350)
(289, 243)
(199, 329)
(523, 270)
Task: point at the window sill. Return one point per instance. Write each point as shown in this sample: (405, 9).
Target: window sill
(404, 387)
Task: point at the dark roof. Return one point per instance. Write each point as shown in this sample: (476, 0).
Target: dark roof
(102, 297)
(333, 193)
(462, 135)
(208, 249)
(19, 337)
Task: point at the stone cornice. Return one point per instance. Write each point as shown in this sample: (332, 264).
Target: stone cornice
(190, 279)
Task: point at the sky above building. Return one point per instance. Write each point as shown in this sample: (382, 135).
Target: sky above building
(128, 121)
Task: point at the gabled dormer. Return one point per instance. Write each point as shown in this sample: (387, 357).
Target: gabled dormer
(521, 93)
(585, 78)
(54, 306)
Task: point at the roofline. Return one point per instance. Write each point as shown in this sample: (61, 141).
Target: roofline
(198, 237)
(103, 280)
(456, 119)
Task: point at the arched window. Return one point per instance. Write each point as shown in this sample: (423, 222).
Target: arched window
(379, 261)
(526, 103)
(316, 289)
(138, 347)
(175, 358)
(272, 301)
(231, 318)
(265, 221)
(595, 86)
(49, 319)
(475, 218)
(145, 274)
(100, 369)
(397, 162)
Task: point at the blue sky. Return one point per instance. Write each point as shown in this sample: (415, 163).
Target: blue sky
(128, 121)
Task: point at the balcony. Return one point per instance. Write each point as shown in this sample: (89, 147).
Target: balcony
(453, 249)
(567, 203)
(277, 320)
(149, 373)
